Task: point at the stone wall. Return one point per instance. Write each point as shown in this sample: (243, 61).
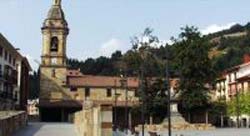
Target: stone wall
(10, 121)
(94, 120)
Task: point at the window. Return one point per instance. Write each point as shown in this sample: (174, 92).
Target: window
(136, 93)
(10, 58)
(73, 89)
(54, 44)
(87, 92)
(14, 62)
(1, 72)
(5, 55)
(109, 92)
(53, 73)
(235, 76)
(1, 51)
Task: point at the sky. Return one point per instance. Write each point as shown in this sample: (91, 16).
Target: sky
(99, 27)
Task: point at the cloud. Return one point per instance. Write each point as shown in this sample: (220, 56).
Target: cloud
(110, 47)
(215, 28)
(33, 62)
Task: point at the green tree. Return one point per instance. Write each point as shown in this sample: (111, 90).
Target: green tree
(144, 60)
(195, 68)
(244, 104)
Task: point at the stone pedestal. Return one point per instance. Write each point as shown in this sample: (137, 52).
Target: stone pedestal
(176, 117)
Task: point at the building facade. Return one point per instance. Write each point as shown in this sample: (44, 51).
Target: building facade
(32, 110)
(14, 74)
(235, 80)
(65, 90)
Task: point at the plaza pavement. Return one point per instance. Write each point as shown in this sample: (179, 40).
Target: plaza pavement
(216, 132)
(66, 129)
(47, 129)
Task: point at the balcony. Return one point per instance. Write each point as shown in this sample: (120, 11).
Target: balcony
(10, 77)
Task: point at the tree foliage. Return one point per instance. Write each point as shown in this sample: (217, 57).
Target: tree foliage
(244, 104)
(195, 68)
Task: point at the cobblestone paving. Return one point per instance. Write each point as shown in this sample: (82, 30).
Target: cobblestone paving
(47, 129)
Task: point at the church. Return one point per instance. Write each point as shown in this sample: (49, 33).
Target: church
(63, 91)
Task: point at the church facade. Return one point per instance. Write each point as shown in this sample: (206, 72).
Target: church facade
(63, 91)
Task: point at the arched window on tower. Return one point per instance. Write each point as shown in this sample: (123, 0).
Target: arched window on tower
(54, 44)
(53, 73)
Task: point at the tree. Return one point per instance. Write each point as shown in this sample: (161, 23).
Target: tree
(244, 104)
(195, 68)
(144, 60)
(34, 85)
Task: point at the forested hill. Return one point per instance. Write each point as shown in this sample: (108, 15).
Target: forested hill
(227, 50)
(230, 46)
(235, 30)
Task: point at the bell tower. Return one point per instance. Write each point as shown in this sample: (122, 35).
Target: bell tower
(54, 30)
(53, 66)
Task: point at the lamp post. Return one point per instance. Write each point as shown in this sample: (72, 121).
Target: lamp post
(237, 102)
(115, 112)
(168, 95)
(115, 108)
(141, 88)
(124, 84)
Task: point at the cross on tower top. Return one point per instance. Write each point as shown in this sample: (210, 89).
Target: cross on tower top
(57, 2)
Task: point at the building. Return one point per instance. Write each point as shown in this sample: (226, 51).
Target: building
(32, 110)
(65, 90)
(14, 75)
(234, 80)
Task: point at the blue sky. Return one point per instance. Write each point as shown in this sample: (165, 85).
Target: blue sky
(98, 27)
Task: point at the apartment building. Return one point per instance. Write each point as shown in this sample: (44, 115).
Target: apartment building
(14, 74)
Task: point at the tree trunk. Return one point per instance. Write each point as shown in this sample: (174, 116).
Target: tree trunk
(221, 120)
(206, 114)
(189, 117)
(151, 119)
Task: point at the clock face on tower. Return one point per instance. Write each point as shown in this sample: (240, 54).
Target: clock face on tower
(53, 61)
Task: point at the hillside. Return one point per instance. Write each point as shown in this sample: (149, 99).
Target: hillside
(227, 50)
(229, 46)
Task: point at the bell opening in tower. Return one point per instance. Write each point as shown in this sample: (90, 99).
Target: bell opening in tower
(54, 44)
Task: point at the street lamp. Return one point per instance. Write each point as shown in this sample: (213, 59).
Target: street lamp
(168, 95)
(141, 88)
(115, 118)
(237, 101)
(124, 84)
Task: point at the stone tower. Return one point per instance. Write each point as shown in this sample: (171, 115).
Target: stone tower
(53, 69)
(55, 30)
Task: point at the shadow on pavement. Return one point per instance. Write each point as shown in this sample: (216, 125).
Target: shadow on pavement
(30, 130)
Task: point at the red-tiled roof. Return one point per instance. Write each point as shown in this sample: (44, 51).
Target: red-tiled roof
(246, 77)
(101, 81)
(76, 78)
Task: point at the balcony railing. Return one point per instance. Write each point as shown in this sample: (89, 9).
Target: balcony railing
(11, 78)
(8, 95)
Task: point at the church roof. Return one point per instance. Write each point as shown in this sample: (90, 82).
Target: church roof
(101, 81)
(77, 79)
(56, 12)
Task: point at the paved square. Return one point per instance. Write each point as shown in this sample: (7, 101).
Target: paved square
(47, 129)
(217, 132)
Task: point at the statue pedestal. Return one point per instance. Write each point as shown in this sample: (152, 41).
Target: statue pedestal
(176, 117)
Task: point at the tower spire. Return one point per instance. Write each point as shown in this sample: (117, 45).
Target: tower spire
(57, 2)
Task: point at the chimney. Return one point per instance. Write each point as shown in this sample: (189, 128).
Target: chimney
(246, 58)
